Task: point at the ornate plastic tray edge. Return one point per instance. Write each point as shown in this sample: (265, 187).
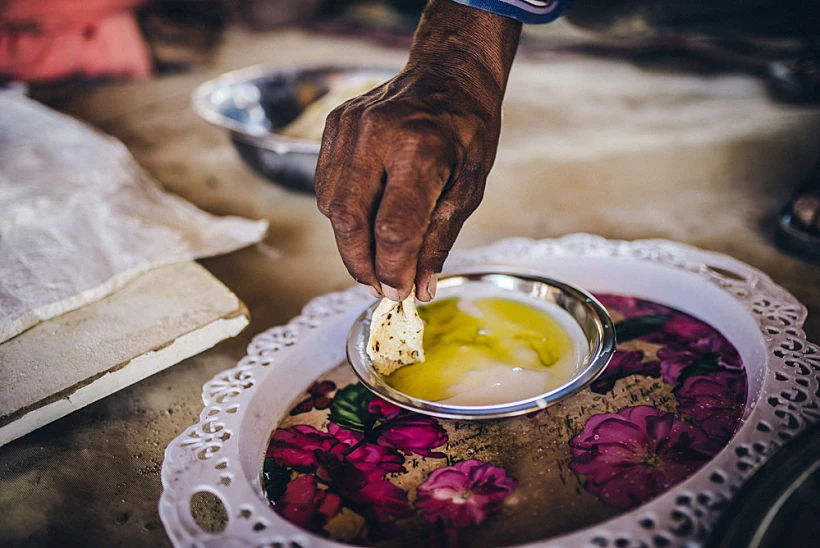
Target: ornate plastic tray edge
(206, 457)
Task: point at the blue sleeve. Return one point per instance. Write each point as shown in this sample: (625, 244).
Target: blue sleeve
(530, 12)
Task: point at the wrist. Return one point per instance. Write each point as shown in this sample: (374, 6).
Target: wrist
(466, 43)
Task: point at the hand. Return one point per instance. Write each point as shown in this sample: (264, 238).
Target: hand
(402, 167)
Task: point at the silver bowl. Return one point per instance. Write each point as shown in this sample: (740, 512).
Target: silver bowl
(253, 103)
(591, 316)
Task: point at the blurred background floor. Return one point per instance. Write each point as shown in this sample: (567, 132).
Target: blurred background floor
(588, 145)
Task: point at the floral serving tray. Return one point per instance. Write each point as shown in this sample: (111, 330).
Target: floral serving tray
(712, 374)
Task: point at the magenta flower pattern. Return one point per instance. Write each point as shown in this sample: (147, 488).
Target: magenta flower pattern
(632, 307)
(634, 455)
(312, 474)
(307, 505)
(413, 434)
(714, 402)
(629, 457)
(464, 494)
(624, 364)
(708, 355)
(317, 398)
(357, 453)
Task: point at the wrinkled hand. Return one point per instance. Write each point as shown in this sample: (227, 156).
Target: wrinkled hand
(402, 167)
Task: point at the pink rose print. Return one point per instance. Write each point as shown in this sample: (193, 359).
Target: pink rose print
(413, 434)
(295, 446)
(376, 460)
(632, 307)
(383, 500)
(406, 431)
(636, 454)
(624, 364)
(344, 436)
(715, 402)
(317, 397)
(307, 505)
(689, 339)
(464, 494)
(354, 483)
(679, 328)
(383, 409)
(675, 361)
(299, 447)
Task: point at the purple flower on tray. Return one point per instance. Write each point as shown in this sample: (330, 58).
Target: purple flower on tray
(345, 464)
(384, 410)
(408, 432)
(624, 364)
(682, 333)
(317, 398)
(707, 358)
(383, 500)
(376, 460)
(681, 328)
(295, 446)
(636, 454)
(714, 402)
(631, 307)
(464, 494)
(351, 462)
(363, 484)
(413, 434)
(307, 505)
(301, 447)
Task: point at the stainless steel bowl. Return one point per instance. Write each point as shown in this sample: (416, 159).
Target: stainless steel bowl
(591, 316)
(253, 103)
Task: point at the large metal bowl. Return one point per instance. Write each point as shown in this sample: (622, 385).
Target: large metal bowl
(253, 103)
(592, 318)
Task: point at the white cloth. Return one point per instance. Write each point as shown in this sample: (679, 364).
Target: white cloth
(79, 218)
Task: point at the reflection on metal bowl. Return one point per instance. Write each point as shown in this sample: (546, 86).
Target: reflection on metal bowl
(253, 104)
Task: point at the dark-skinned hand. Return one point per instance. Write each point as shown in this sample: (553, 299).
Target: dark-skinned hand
(403, 166)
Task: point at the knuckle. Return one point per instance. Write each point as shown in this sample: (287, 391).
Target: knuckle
(393, 86)
(347, 220)
(446, 211)
(323, 194)
(472, 196)
(349, 115)
(395, 233)
(333, 119)
(322, 204)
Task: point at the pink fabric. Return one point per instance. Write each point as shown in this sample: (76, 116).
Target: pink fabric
(42, 40)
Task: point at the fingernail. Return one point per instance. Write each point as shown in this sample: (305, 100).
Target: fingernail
(391, 293)
(372, 290)
(432, 285)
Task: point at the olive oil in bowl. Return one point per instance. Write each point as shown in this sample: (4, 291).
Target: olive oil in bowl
(482, 349)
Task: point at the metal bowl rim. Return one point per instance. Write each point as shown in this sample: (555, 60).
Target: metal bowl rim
(268, 140)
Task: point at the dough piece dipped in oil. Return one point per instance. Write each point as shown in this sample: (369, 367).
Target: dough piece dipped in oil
(396, 333)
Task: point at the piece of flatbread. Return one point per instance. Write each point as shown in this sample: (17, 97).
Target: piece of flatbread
(396, 333)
